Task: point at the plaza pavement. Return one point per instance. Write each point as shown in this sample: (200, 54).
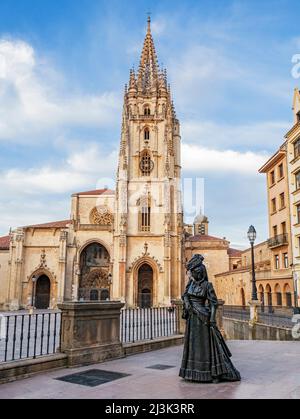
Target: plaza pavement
(268, 369)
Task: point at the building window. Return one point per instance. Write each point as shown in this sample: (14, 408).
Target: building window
(273, 205)
(146, 134)
(285, 260)
(280, 171)
(282, 200)
(298, 214)
(272, 177)
(275, 231)
(146, 164)
(297, 179)
(145, 213)
(147, 111)
(276, 260)
(283, 227)
(297, 148)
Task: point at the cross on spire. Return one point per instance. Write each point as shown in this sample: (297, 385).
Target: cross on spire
(149, 22)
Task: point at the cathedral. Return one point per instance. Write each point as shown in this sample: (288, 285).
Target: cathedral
(125, 244)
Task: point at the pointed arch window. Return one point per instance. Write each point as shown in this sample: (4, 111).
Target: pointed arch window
(146, 164)
(147, 110)
(145, 213)
(146, 134)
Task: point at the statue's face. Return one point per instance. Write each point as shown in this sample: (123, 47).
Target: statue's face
(197, 273)
(194, 274)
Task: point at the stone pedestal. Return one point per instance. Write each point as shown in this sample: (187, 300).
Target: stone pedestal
(91, 332)
(181, 323)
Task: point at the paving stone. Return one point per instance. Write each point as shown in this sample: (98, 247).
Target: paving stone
(269, 370)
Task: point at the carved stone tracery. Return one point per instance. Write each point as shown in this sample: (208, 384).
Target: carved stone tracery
(97, 278)
(101, 216)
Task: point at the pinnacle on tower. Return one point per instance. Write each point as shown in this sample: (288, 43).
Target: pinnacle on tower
(132, 80)
(148, 68)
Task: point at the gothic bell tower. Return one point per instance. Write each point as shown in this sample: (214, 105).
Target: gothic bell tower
(148, 209)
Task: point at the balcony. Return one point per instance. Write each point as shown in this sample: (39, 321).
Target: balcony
(279, 240)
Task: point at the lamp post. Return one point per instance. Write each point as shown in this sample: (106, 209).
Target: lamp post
(34, 280)
(252, 237)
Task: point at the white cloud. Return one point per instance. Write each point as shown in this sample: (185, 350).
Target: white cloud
(37, 195)
(158, 26)
(201, 64)
(81, 170)
(261, 135)
(18, 211)
(92, 160)
(31, 101)
(201, 159)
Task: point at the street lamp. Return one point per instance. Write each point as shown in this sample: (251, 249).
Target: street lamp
(252, 237)
(34, 280)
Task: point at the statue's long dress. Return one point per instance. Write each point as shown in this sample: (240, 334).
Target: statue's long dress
(206, 356)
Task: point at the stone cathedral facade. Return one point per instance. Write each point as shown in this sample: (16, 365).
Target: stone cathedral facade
(125, 244)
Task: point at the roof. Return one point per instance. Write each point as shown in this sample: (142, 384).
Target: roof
(275, 159)
(53, 224)
(96, 192)
(4, 243)
(203, 237)
(234, 252)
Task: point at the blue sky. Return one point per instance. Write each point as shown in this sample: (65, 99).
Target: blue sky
(63, 66)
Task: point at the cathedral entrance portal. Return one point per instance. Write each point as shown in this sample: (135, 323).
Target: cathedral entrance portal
(42, 293)
(94, 273)
(145, 286)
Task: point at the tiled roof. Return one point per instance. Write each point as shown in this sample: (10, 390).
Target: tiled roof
(54, 224)
(234, 252)
(97, 192)
(200, 237)
(4, 243)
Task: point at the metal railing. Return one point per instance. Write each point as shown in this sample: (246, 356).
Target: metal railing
(276, 316)
(268, 315)
(237, 312)
(26, 336)
(140, 324)
(278, 240)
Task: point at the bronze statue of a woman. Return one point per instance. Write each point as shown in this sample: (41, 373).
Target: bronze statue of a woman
(206, 357)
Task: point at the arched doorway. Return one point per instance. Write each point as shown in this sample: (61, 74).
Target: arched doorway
(261, 294)
(145, 286)
(262, 297)
(278, 295)
(42, 293)
(94, 273)
(269, 297)
(288, 296)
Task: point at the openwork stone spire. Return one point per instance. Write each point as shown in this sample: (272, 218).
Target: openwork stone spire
(148, 69)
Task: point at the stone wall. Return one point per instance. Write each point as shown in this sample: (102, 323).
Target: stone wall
(243, 330)
(4, 269)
